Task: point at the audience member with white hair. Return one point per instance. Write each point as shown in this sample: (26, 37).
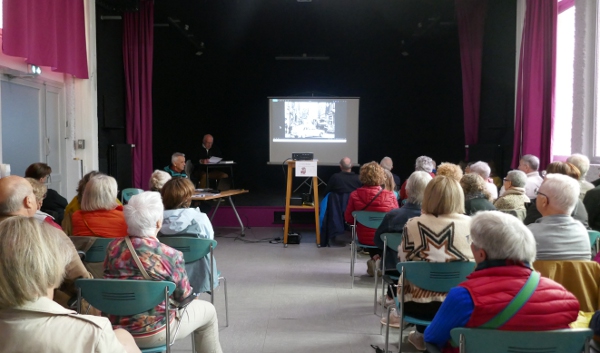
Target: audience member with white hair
(100, 214)
(17, 199)
(583, 164)
(483, 170)
(504, 250)
(144, 215)
(529, 164)
(394, 221)
(158, 179)
(514, 198)
(387, 164)
(422, 164)
(557, 234)
(477, 196)
(30, 321)
(579, 212)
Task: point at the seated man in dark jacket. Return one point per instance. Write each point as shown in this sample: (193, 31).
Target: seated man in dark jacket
(503, 249)
(207, 151)
(339, 187)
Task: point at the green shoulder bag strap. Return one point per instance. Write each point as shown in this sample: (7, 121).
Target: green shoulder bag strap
(514, 306)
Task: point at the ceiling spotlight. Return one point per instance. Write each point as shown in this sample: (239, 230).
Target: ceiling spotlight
(33, 69)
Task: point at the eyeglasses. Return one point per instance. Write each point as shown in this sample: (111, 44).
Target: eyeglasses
(469, 240)
(541, 193)
(505, 179)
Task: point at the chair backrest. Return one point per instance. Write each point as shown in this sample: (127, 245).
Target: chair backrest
(123, 297)
(127, 193)
(594, 239)
(393, 240)
(497, 341)
(369, 219)
(436, 276)
(97, 251)
(193, 248)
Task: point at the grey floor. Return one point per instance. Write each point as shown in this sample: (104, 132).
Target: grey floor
(295, 299)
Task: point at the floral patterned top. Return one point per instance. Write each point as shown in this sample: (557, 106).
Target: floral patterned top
(162, 263)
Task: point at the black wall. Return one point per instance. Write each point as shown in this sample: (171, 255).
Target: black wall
(410, 105)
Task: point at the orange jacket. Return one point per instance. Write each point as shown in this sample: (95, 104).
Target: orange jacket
(101, 223)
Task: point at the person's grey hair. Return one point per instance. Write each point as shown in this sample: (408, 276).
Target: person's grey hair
(158, 179)
(424, 164)
(33, 258)
(562, 191)
(386, 163)
(14, 202)
(415, 186)
(481, 168)
(532, 161)
(100, 194)
(581, 162)
(345, 166)
(142, 212)
(517, 178)
(502, 236)
(175, 156)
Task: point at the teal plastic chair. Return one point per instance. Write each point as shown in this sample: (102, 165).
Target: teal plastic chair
(193, 249)
(97, 251)
(496, 341)
(368, 219)
(594, 241)
(393, 241)
(431, 276)
(127, 193)
(125, 297)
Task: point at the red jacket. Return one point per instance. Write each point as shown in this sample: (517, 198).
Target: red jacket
(101, 223)
(551, 307)
(359, 198)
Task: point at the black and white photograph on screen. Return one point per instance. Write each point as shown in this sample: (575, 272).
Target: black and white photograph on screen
(309, 120)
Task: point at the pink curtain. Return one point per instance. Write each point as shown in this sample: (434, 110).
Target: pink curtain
(471, 19)
(564, 5)
(534, 116)
(46, 33)
(138, 37)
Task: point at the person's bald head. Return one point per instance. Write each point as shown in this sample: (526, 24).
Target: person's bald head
(346, 164)
(16, 197)
(207, 141)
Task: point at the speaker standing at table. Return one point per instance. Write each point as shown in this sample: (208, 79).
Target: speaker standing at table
(209, 150)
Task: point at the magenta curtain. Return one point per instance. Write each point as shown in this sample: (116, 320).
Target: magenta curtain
(534, 116)
(46, 33)
(471, 20)
(138, 36)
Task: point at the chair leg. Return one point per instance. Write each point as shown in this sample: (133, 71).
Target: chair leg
(193, 343)
(226, 303)
(375, 298)
(352, 250)
(387, 330)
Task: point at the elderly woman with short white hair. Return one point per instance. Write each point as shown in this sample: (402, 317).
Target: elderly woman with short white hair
(100, 214)
(503, 249)
(514, 200)
(422, 164)
(144, 216)
(158, 179)
(33, 259)
(483, 170)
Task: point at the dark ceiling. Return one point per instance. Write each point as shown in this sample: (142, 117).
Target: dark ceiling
(271, 28)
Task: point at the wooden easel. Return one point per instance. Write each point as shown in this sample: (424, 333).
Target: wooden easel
(288, 196)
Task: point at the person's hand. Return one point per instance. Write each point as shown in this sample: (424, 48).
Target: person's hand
(204, 161)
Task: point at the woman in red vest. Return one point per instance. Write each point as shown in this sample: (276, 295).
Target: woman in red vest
(370, 197)
(503, 249)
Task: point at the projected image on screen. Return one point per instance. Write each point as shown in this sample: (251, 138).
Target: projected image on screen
(309, 120)
(325, 126)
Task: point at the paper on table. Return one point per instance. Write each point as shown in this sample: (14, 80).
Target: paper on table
(214, 160)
